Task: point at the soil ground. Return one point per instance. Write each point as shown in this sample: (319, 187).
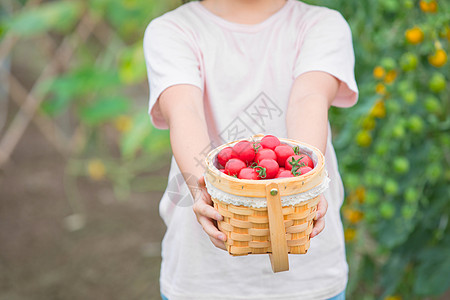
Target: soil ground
(116, 255)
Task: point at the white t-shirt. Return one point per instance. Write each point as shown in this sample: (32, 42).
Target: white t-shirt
(246, 73)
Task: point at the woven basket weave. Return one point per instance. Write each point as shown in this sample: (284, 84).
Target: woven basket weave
(274, 229)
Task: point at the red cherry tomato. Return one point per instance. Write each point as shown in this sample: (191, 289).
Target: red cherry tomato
(298, 161)
(234, 166)
(283, 152)
(225, 155)
(267, 168)
(301, 171)
(270, 142)
(245, 151)
(248, 173)
(280, 169)
(265, 154)
(307, 161)
(304, 170)
(285, 174)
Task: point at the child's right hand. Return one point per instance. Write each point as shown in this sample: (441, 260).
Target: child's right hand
(207, 216)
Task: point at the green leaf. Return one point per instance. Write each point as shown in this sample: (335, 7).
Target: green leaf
(104, 109)
(367, 269)
(80, 82)
(132, 65)
(55, 106)
(129, 17)
(76, 86)
(434, 272)
(157, 143)
(395, 231)
(57, 15)
(393, 272)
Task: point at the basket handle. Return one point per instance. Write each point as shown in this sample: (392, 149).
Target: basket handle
(279, 256)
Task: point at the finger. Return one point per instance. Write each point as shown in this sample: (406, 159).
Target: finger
(211, 230)
(322, 208)
(206, 210)
(198, 189)
(219, 244)
(201, 181)
(206, 197)
(319, 225)
(204, 192)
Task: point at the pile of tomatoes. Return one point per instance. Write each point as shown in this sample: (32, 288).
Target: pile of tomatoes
(265, 159)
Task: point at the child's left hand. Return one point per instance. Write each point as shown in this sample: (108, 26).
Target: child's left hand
(208, 216)
(319, 220)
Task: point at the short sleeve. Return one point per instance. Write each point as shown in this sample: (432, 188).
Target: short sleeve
(171, 58)
(327, 46)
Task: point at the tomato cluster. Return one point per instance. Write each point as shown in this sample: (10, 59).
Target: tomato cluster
(265, 159)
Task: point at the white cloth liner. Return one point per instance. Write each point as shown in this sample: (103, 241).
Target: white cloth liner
(258, 202)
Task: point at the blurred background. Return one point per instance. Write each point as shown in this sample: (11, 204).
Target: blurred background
(82, 170)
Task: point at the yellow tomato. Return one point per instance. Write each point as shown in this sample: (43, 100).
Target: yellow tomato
(378, 110)
(352, 215)
(432, 6)
(380, 89)
(378, 72)
(368, 123)
(438, 59)
(428, 6)
(349, 234)
(423, 5)
(390, 76)
(360, 194)
(414, 35)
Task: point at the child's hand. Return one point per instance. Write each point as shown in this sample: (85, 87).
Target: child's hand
(207, 215)
(319, 220)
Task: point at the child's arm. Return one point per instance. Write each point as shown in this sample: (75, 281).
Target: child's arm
(182, 108)
(307, 119)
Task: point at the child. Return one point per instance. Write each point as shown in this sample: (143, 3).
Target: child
(221, 70)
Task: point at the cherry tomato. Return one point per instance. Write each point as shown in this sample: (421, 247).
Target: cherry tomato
(265, 154)
(267, 168)
(270, 142)
(245, 151)
(234, 166)
(298, 161)
(285, 174)
(283, 152)
(248, 173)
(225, 155)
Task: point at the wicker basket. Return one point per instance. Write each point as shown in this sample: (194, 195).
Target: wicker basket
(267, 226)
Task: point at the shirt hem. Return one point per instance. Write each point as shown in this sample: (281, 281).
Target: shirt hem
(318, 295)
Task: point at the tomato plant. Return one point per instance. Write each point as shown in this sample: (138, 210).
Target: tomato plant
(393, 148)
